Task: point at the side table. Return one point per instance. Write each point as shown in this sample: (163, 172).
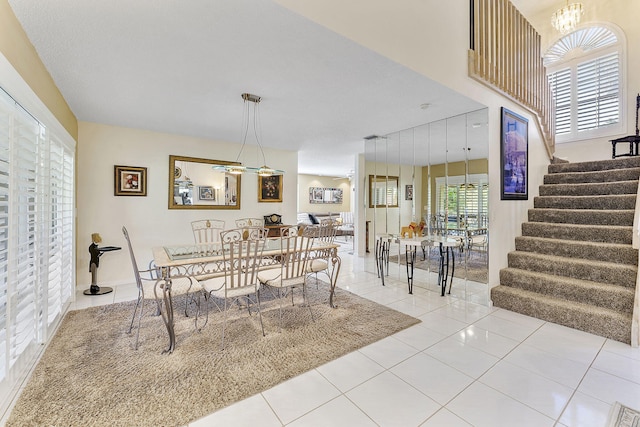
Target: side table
(96, 252)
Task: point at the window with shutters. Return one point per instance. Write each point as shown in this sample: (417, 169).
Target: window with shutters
(36, 236)
(462, 202)
(585, 72)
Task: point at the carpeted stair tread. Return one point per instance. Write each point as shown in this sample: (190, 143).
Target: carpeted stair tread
(585, 317)
(621, 217)
(591, 233)
(590, 188)
(585, 269)
(608, 202)
(584, 291)
(574, 263)
(596, 176)
(608, 252)
(608, 164)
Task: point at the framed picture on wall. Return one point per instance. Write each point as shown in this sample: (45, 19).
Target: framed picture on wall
(408, 192)
(316, 195)
(514, 156)
(206, 193)
(130, 181)
(270, 188)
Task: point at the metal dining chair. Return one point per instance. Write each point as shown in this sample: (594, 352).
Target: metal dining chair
(242, 256)
(147, 282)
(207, 230)
(326, 234)
(292, 272)
(250, 222)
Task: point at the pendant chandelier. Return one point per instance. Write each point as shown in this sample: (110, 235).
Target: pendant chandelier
(566, 18)
(250, 115)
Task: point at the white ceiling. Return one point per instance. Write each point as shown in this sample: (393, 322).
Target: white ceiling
(180, 68)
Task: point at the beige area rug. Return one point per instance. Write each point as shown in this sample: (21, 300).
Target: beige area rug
(476, 265)
(623, 416)
(90, 375)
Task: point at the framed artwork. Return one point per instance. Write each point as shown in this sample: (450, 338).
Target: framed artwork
(514, 156)
(270, 188)
(316, 195)
(325, 195)
(408, 192)
(130, 181)
(206, 193)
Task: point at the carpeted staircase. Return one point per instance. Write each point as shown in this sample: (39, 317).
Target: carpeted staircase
(574, 264)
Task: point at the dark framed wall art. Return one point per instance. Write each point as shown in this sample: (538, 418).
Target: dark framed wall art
(270, 188)
(130, 181)
(408, 192)
(514, 156)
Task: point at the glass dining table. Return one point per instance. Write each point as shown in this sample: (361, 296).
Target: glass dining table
(205, 261)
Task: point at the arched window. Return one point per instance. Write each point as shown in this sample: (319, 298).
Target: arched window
(585, 73)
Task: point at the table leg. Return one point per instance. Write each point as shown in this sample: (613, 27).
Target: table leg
(382, 258)
(410, 258)
(337, 262)
(167, 314)
(377, 256)
(444, 259)
(441, 269)
(453, 268)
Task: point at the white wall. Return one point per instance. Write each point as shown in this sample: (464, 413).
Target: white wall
(148, 219)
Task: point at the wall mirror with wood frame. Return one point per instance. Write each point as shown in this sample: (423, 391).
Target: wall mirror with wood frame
(196, 183)
(383, 191)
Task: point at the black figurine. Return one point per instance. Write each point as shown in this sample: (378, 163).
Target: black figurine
(94, 263)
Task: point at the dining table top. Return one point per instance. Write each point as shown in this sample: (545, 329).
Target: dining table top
(190, 253)
(420, 240)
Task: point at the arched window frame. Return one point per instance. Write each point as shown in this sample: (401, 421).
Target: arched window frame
(558, 57)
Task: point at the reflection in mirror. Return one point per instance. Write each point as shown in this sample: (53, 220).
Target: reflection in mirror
(445, 165)
(194, 183)
(383, 191)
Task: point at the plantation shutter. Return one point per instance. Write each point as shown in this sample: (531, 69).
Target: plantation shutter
(6, 109)
(560, 82)
(36, 236)
(598, 92)
(23, 268)
(59, 218)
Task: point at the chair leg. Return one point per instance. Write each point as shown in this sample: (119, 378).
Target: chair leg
(304, 298)
(224, 323)
(197, 312)
(280, 301)
(139, 321)
(134, 313)
(260, 311)
(205, 295)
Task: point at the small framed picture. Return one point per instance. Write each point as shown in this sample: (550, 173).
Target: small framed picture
(270, 188)
(408, 192)
(206, 193)
(130, 181)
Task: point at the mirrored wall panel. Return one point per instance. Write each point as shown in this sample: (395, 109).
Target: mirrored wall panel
(430, 182)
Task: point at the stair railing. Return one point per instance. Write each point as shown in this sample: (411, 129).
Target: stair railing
(506, 56)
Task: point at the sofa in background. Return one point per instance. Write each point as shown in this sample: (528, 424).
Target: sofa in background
(344, 220)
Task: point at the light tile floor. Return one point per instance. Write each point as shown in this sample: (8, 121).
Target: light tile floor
(466, 364)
